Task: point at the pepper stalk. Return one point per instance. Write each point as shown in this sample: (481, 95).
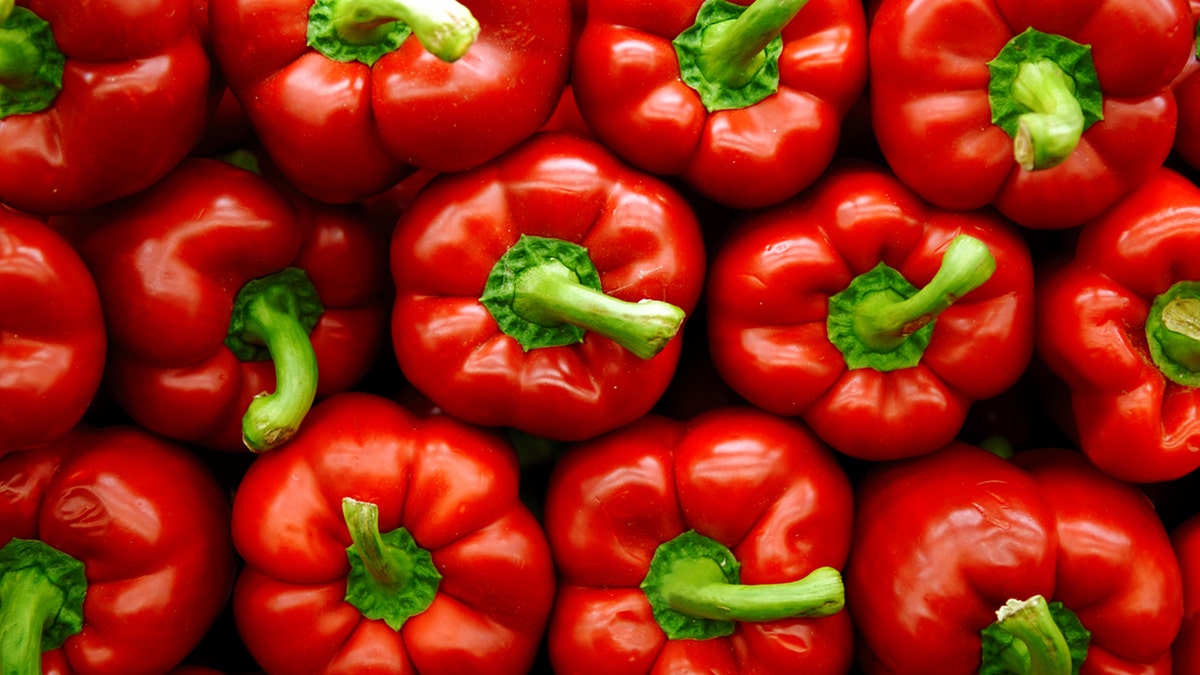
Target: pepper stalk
(366, 30)
(1034, 637)
(42, 591)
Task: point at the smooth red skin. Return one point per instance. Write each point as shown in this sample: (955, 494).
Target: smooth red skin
(1132, 422)
(1186, 540)
(52, 350)
(642, 236)
(168, 264)
(151, 526)
(453, 486)
(345, 131)
(768, 302)
(759, 484)
(627, 82)
(943, 540)
(1187, 97)
(930, 110)
(132, 105)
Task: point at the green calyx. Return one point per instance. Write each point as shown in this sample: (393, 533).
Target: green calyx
(545, 292)
(272, 319)
(366, 30)
(695, 593)
(31, 64)
(1034, 637)
(730, 55)
(391, 577)
(1173, 333)
(41, 603)
(883, 322)
(1045, 93)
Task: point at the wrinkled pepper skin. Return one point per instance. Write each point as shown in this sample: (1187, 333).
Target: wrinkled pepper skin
(768, 308)
(627, 81)
(642, 236)
(942, 541)
(1131, 419)
(451, 485)
(133, 103)
(761, 485)
(151, 526)
(929, 81)
(52, 353)
(342, 131)
(1186, 540)
(170, 261)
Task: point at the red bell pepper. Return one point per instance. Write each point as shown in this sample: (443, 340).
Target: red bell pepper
(116, 555)
(98, 100)
(711, 545)
(1114, 323)
(545, 290)
(1187, 97)
(1048, 111)
(219, 286)
(963, 562)
(743, 104)
(1185, 537)
(380, 542)
(346, 102)
(874, 316)
(52, 350)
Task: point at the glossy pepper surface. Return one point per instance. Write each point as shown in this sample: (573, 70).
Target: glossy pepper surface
(959, 554)
(97, 100)
(347, 96)
(52, 352)
(545, 290)
(116, 554)
(711, 545)
(219, 285)
(875, 316)
(1186, 88)
(1186, 540)
(1048, 111)
(745, 104)
(1114, 324)
(379, 542)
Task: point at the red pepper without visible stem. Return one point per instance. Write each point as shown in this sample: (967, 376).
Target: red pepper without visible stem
(711, 545)
(376, 541)
(1186, 88)
(1186, 540)
(117, 554)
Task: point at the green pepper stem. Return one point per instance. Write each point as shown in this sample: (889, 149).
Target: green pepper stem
(732, 51)
(1181, 340)
(1050, 131)
(882, 322)
(550, 294)
(1040, 647)
(445, 28)
(20, 57)
(28, 605)
(696, 587)
(6, 8)
(390, 570)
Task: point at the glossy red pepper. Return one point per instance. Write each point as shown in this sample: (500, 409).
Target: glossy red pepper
(1113, 324)
(873, 315)
(545, 290)
(743, 104)
(380, 542)
(960, 558)
(711, 545)
(1185, 537)
(52, 352)
(218, 286)
(1048, 111)
(117, 557)
(1187, 97)
(347, 96)
(98, 100)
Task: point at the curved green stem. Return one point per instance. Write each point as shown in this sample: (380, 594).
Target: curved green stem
(1040, 647)
(390, 570)
(391, 578)
(697, 588)
(41, 603)
(733, 51)
(1050, 131)
(445, 28)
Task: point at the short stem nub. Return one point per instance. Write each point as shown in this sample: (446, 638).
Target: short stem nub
(1173, 333)
(1049, 133)
(365, 30)
(390, 572)
(1040, 647)
(733, 51)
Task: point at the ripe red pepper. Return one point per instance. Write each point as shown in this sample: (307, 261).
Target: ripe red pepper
(711, 545)
(1186, 540)
(947, 544)
(380, 542)
(98, 100)
(346, 102)
(744, 104)
(117, 557)
(52, 352)
(545, 290)
(1187, 97)
(219, 286)
(1114, 323)
(1048, 111)
(814, 310)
